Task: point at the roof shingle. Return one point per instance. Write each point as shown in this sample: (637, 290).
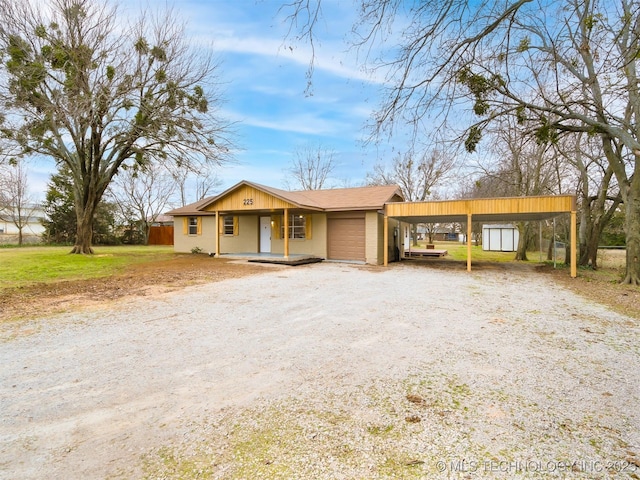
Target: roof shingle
(335, 199)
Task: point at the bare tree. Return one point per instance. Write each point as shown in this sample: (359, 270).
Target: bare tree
(80, 86)
(142, 194)
(416, 178)
(17, 206)
(525, 167)
(310, 167)
(568, 66)
(194, 184)
(598, 193)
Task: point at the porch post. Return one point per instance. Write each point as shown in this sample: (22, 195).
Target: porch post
(385, 240)
(574, 251)
(286, 233)
(217, 230)
(469, 229)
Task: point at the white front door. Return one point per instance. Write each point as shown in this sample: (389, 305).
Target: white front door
(265, 234)
(407, 238)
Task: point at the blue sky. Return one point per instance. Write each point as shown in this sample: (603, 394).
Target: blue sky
(264, 89)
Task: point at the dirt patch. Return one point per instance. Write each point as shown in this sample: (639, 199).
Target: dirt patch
(137, 280)
(601, 286)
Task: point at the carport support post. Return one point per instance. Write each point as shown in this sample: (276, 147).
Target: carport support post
(217, 234)
(286, 233)
(385, 241)
(574, 251)
(469, 229)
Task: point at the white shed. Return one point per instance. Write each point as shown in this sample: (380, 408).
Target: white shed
(500, 238)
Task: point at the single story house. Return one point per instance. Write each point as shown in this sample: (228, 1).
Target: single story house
(336, 224)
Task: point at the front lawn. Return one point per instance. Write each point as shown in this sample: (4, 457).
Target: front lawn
(21, 267)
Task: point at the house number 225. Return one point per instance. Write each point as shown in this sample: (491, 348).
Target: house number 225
(247, 201)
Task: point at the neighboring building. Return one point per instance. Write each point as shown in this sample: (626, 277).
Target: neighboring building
(162, 221)
(500, 238)
(446, 234)
(248, 218)
(33, 227)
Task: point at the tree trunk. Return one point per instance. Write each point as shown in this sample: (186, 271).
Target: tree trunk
(632, 232)
(589, 251)
(596, 214)
(20, 236)
(584, 229)
(84, 225)
(523, 241)
(84, 236)
(147, 229)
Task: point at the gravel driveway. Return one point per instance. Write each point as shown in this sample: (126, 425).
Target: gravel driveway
(328, 371)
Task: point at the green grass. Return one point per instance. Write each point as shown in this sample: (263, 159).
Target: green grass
(458, 251)
(21, 267)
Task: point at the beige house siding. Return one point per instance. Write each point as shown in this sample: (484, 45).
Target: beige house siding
(206, 240)
(316, 246)
(247, 238)
(372, 236)
(375, 236)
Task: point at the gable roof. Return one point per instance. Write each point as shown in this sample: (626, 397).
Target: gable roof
(337, 199)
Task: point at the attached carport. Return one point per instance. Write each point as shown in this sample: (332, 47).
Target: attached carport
(484, 210)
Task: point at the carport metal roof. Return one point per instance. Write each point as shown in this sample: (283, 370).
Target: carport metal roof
(484, 210)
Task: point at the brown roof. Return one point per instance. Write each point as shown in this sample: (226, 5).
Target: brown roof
(359, 198)
(192, 208)
(335, 199)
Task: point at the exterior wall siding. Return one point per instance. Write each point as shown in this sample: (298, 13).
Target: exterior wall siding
(247, 239)
(372, 237)
(375, 238)
(247, 198)
(484, 206)
(206, 241)
(316, 246)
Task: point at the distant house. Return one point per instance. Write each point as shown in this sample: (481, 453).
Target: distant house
(162, 221)
(336, 224)
(446, 234)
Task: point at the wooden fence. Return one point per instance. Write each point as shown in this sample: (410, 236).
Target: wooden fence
(161, 235)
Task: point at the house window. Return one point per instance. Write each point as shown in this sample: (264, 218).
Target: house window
(297, 226)
(228, 225)
(193, 225)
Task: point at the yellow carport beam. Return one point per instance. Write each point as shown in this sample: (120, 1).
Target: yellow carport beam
(385, 242)
(469, 229)
(574, 251)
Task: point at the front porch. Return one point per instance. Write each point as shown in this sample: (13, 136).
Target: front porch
(275, 258)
